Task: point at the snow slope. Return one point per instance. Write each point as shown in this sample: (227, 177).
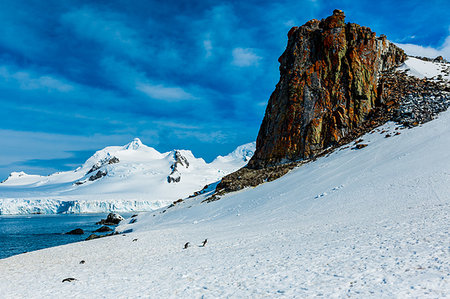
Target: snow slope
(133, 177)
(368, 223)
(426, 69)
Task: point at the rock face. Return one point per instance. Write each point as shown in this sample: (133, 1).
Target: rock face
(180, 161)
(328, 85)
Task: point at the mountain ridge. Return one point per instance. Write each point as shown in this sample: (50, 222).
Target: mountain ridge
(134, 173)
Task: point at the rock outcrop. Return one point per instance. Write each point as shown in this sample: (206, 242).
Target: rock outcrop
(328, 85)
(180, 161)
(111, 219)
(337, 82)
(108, 160)
(77, 231)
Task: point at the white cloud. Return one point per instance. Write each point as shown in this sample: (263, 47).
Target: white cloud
(29, 81)
(245, 57)
(162, 92)
(416, 50)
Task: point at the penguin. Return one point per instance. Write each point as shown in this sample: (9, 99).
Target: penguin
(186, 245)
(69, 279)
(134, 240)
(82, 262)
(204, 242)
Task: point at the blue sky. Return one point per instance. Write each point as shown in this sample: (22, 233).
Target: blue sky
(76, 76)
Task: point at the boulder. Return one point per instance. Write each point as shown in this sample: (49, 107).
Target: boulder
(92, 236)
(111, 219)
(77, 231)
(103, 229)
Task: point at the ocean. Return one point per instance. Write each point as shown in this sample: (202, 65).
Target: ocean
(24, 233)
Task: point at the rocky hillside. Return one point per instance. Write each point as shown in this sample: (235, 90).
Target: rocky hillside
(328, 85)
(337, 82)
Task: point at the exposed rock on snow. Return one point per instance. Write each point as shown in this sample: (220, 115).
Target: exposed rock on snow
(103, 162)
(98, 175)
(111, 219)
(180, 161)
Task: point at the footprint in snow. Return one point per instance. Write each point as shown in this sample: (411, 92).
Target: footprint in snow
(337, 188)
(321, 195)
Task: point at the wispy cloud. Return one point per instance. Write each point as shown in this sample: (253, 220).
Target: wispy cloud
(161, 92)
(29, 81)
(245, 57)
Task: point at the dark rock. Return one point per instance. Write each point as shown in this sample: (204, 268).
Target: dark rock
(102, 163)
(134, 240)
(111, 219)
(77, 231)
(180, 160)
(360, 146)
(133, 220)
(134, 215)
(174, 177)
(113, 160)
(439, 59)
(247, 177)
(98, 175)
(103, 229)
(92, 236)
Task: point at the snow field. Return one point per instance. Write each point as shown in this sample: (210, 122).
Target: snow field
(381, 231)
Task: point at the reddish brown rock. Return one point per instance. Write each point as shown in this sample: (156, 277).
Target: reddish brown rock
(328, 85)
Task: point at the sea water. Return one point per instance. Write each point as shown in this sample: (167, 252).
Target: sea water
(19, 234)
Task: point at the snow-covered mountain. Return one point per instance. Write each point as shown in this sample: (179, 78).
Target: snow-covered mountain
(133, 177)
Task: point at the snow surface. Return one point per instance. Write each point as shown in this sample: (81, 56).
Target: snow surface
(138, 182)
(368, 223)
(425, 69)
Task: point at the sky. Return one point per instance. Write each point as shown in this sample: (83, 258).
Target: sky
(77, 76)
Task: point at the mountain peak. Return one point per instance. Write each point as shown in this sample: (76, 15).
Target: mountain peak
(134, 145)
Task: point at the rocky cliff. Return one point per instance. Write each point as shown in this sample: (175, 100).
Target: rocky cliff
(328, 85)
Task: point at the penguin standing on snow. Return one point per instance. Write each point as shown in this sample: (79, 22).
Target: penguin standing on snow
(204, 242)
(186, 245)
